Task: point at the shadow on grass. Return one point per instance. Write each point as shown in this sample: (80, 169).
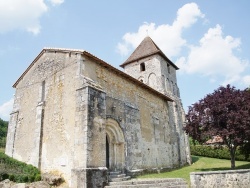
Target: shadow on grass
(246, 166)
(195, 159)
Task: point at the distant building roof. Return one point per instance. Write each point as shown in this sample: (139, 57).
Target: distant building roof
(215, 140)
(146, 48)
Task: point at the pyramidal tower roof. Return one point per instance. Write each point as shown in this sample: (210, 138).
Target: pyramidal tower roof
(145, 49)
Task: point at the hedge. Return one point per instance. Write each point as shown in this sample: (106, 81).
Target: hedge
(220, 152)
(17, 171)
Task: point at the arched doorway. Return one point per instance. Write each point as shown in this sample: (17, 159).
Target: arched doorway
(115, 158)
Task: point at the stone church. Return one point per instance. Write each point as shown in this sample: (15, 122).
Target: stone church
(79, 117)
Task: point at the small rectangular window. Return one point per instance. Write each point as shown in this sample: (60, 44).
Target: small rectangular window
(142, 67)
(168, 68)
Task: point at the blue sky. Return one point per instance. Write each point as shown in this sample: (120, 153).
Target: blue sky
(208, 40)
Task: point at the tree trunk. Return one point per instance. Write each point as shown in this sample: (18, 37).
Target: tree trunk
(232, 154)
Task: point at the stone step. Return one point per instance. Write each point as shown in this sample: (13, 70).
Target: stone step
(119, 179)
(150, 183)
(147, 186)
(115, 172)
(117, 176)
(128, 186)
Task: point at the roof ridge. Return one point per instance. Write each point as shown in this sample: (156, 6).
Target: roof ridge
(64, 49)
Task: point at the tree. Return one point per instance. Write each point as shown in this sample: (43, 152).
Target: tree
(224, 113)
(3, 132)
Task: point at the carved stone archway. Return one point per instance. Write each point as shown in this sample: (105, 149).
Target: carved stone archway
(115, 142)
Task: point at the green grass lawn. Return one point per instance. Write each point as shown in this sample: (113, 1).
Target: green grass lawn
(199, 164)
(2, 150)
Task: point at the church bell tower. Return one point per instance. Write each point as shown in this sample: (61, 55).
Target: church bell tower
(152, 67)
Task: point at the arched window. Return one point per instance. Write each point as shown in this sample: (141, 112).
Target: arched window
(142, 67)
(152, 81)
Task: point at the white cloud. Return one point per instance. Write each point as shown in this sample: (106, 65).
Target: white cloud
(23, 14)
(214, 57)
(168, 37)
(5, 109)
(122, 49)
(246, 80)
(188, 15)
(56, 2)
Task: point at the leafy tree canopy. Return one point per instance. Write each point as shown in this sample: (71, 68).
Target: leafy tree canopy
(3, 132)
(226, 113)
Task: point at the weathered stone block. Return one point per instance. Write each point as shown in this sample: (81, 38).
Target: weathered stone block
(222, 179)
(89, 177)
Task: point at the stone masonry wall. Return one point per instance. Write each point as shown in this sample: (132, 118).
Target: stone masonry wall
(161, 76)
(44, 130)
(158, 74)
(89, 178)
(222, 179)
(96, 129)
(147, 121)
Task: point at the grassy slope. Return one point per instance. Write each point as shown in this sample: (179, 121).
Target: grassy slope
(17, 171)
(199, 164)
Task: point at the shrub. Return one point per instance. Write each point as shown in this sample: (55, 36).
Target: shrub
(220, 152)
(17, 171)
